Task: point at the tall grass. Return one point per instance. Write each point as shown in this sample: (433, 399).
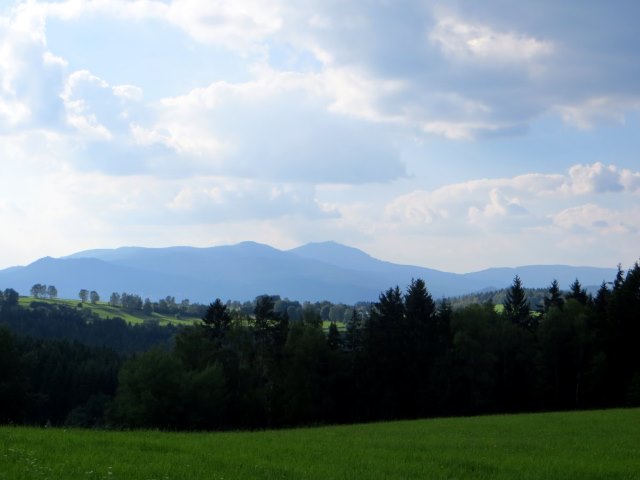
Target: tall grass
(578, 445)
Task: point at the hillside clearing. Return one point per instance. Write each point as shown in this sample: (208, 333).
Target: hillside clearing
(104, 310)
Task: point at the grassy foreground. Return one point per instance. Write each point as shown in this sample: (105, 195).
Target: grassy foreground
(581, 445)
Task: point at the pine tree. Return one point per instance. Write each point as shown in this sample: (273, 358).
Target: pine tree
(419, 306)
(353, 334)
(601, 301)
(147, 308)
(555, 299)
(334, 339)
(578, 293)
(516, 305)
(217, 318)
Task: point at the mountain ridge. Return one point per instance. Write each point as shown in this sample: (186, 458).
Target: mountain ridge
(315, 271)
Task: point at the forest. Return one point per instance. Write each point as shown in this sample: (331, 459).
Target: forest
(405, 356)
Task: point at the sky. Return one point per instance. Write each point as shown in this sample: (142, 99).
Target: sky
(456, 135)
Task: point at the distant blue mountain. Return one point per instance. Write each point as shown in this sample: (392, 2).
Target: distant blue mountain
(316, 271)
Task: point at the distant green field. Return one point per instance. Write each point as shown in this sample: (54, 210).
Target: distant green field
(326, 324)
(104, 310)
(578, 445)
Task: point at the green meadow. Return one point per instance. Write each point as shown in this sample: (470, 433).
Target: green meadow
(103, 310)
(577, 445)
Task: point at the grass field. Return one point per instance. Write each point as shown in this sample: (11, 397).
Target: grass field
(577, 445)
(104, 310)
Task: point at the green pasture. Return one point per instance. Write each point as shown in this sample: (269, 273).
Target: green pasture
(104, 310)
(577, 445)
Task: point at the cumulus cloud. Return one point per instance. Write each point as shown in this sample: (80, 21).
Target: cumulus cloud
(245, 200)
(461, 207)
(630, 181)
(523, 201)
(480, 42)
(499, 208)
(461, 73)
(140, 200)
(275, 128)
(31, 76)
(517, 67)
(311, 127)
(561, 218)
(600, 178)
(414, 208)
(588, 218)
(589, 112)
(236, 24)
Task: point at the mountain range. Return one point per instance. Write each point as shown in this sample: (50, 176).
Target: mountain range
(314, 272)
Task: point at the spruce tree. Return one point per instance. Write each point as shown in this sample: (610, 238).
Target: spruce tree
(353, 334)
(419, 305)
(578, 293)
(516, 304)
(217, 318)
(334, 339)
(555, 297)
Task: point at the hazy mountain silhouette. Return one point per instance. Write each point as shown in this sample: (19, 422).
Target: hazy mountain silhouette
(315, 271)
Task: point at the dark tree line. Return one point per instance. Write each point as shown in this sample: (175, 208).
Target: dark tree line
(47, 321)
(407, 357)
(164, 306)
(410, 357)
(55, 382)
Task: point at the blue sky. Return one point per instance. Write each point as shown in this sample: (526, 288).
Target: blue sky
(456, 135)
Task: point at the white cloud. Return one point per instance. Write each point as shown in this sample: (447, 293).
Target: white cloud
(228, 200)
(593, 111)
(630, 181)
(500, 207)
(588, 218)
(599, 178)
(236, 24)
(522, 201)
(460, 130)
(233, 23)
(554, 218)
(507, 76)
(467, 41)
(276, 125)
(79, 113)
(128, 92)
(226, 128)
(414, 208)
(31, 77)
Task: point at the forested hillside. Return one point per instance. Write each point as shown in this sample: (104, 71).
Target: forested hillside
(407, 356)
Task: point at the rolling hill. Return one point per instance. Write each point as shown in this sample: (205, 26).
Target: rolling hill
(315, 271)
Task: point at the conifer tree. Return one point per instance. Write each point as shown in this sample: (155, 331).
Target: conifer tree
(334, 339)
(353, 334)
(217, 318)
(578, 293)
(555, 297)
(419, 305)
(516, 305)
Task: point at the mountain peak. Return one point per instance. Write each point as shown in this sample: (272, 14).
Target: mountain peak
(249, 244)
(335, 253)
(327, 246)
